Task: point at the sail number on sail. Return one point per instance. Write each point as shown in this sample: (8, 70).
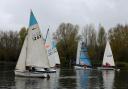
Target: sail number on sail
(36, 36)
(51, 51)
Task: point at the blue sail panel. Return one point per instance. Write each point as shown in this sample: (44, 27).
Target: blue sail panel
(84, 59)
(53, 44)
(84, 49)
(33, 20)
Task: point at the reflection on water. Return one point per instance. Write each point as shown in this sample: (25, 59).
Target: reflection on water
(37, 83)
(68, 79)
(108, 78)
(82, 78)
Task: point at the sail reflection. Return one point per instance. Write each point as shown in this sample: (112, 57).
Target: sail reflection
(37, 83)
(82, 78)
(108, 78)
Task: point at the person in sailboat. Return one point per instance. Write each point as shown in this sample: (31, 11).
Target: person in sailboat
(30, 68)
(107, 65)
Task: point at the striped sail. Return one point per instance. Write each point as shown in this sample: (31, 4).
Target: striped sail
(84, 59)
(82, 55)
(52, 51)
(48, 46)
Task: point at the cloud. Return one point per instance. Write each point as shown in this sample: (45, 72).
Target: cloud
(53, 12)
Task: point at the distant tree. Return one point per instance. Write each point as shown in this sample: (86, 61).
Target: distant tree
(101, 36)
(118, 37)
(101, 42)
(67, 43)
(22, 34)
(89, 37)
(9, 46)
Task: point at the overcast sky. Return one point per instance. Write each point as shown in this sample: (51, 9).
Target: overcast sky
(15, 13)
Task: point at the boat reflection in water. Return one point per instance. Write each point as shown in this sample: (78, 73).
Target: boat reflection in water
(108, 79)
(83, 78)
(37, 83)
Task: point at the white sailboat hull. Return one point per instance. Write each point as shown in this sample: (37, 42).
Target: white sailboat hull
(50, 70)
(30, 74)
(105, 68)
(81, 68)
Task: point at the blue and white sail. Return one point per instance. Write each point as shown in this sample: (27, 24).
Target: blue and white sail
(51, 51)
(82, 55)
(56, 55)
(48, 46)
(33, 52)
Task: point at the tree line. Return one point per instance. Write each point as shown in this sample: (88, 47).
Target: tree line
(10, 44)
(67, 36)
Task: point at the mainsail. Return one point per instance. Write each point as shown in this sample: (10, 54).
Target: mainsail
(78, 52)
(52, 51)
(84, 59)
(22, 57)
(82, 55)
(33, 52)
(108, 57)
(48, 46)
(56, 55)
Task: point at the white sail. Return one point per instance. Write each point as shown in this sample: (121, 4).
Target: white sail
(35, 53)
(108, 56)
(56, 56)
(48, 46)
(78, 52)
(22, 58)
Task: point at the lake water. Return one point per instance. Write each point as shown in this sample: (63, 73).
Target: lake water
(67, 79)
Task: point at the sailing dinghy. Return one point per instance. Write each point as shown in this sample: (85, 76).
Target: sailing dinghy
(108, 60)
(82, 61)
(33, 54)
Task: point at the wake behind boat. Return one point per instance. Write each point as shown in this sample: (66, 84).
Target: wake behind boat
(82, 61)
(33, 53)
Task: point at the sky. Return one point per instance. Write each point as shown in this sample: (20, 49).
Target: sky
(14, 14)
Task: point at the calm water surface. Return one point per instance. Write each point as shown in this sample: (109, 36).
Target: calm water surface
(67, 79)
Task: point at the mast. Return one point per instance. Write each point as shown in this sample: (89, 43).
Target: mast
(46, 35)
